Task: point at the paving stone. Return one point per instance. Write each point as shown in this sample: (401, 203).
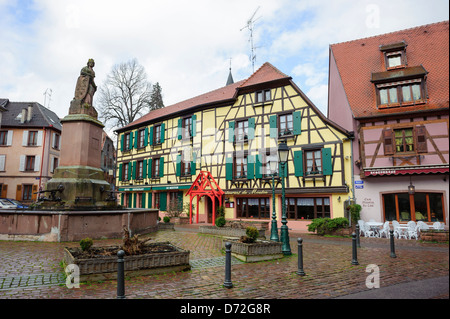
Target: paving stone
(31, 270)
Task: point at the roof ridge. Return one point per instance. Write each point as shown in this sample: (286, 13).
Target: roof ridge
(265, 64)
(392, 32)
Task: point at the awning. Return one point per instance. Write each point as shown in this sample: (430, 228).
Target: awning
(405, 171)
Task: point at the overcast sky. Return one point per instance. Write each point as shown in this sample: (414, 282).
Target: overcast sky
(186, 46)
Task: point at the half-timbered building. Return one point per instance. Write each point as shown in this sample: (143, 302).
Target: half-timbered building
(227, 138)
(392, 90)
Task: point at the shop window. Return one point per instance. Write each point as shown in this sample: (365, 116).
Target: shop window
(253, 207)
(307, 208)
(421, 206)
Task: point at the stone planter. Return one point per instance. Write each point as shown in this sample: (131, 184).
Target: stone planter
(166, 226)
(180, 220)
(105, 267)
(227, 231)
(342, 232)
(434, 235)
(257, 251)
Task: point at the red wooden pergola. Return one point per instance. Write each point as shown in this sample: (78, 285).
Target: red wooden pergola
(204, 185)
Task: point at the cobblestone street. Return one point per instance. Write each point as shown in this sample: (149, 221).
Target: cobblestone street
(32, 270)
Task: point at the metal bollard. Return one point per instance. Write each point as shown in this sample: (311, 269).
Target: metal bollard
(358, 242)
(354, 257)
(300, 271)
(393, 255)
(227, 283)
(120, 275)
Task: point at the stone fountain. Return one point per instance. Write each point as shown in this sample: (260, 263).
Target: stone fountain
(77, 202)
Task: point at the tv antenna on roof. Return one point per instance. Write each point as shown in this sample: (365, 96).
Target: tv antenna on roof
(49, 93)
(251, 25)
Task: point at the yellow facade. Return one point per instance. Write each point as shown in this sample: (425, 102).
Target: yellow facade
(234, 138)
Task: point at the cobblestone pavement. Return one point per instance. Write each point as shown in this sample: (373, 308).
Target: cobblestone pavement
(32, 270)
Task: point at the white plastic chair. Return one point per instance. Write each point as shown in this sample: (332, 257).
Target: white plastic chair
(398, 232)
(421, 226)
(367, 231)
(361, 227)
(438, 225)
(413, 230)
(385, 230)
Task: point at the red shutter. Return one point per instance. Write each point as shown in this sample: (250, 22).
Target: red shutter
(421, 139)
(388, 141)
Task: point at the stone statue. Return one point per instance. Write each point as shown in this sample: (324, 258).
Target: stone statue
(84, 92)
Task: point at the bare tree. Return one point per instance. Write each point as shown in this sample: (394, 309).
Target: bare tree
(126, 94)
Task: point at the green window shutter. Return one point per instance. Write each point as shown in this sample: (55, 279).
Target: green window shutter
(251, 128)
(298, 163)
(149, 168)
(151, 136)
(122, 142)
(297, 123)
(180, 129)
(163, 129)
(120, 171)
(149, 200)
(285, 172)
(134, 200)
(122, 199)
(143, 200)
(258, 173)
(144, 170)
(251, 167)
(130, 140)
(136, 133)
(194, 125)
(161, 167)
(231, 126)
(273, 126)
(178, 165)
(129, 170)
(146, 136)
(229, 168)
(327, 164)
(180, 200)
(134, 170)
(163, 201)
(194, 164)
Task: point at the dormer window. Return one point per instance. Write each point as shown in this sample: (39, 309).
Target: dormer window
(394, 55)
(394, 60)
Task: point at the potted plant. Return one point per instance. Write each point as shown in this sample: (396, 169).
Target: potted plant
(355, 215)
(166, 225)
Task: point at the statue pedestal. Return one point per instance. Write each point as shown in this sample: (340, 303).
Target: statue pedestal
(79, 170)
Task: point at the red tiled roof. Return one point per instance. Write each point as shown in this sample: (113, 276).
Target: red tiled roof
(427, 45)
(266, 73)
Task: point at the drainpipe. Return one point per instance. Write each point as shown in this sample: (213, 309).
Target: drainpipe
(42, 158)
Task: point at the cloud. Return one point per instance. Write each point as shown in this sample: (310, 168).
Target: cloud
(186, 46)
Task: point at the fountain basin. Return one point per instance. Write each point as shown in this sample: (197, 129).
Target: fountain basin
(73, 225)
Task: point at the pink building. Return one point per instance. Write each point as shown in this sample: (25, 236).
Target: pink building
(392, 90)
(29, 149)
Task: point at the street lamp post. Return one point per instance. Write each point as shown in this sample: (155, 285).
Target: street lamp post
(283, 153)
(274, 230)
